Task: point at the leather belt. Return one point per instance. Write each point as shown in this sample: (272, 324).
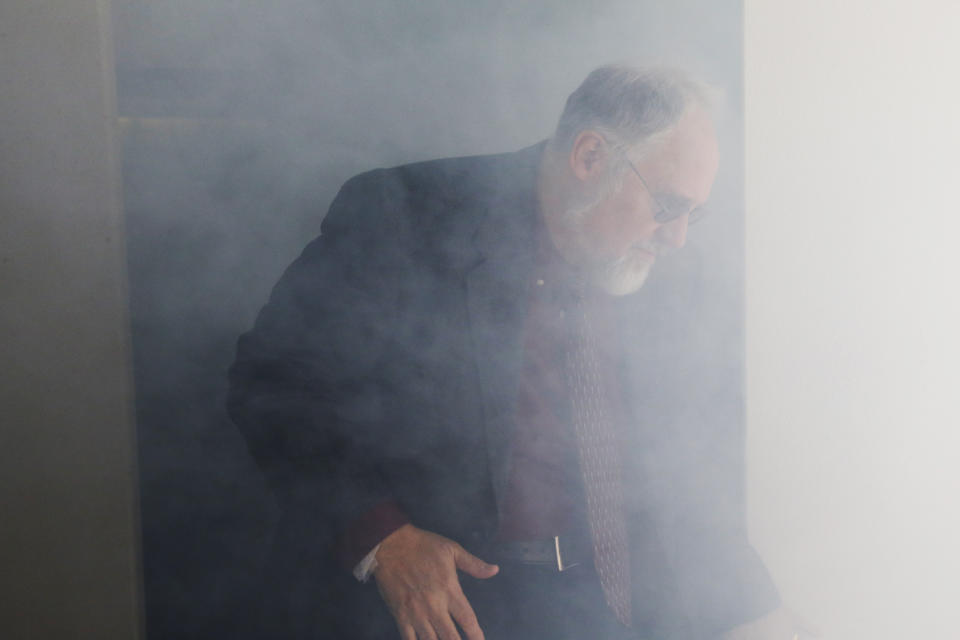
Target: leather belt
(557, 553)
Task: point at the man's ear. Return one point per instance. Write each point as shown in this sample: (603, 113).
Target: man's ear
(588, 156)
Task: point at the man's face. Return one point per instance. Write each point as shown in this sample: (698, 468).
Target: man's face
(618, 239)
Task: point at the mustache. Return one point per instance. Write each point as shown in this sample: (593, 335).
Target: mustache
(658, 249)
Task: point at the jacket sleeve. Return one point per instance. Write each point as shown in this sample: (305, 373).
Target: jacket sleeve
(307, 385)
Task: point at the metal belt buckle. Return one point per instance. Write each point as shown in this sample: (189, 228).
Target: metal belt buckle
(562, 564)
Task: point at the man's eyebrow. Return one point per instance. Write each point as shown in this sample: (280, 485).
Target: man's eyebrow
(675, 202)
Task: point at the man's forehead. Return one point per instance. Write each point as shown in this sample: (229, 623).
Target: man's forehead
(685, 164)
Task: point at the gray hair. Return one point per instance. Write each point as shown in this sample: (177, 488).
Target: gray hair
(633, 108)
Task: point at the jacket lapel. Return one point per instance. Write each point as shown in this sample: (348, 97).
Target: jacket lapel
(497, 293)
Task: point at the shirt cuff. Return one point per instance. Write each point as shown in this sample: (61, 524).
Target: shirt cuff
(367, 566)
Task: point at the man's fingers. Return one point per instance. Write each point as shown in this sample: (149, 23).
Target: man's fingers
(425, 631)
(474, 566)
(445, 628)
(406, 632)
(463, 613)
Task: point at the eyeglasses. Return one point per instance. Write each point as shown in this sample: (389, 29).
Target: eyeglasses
(666, 213)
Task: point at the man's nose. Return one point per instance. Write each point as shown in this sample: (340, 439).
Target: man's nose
(673, 234)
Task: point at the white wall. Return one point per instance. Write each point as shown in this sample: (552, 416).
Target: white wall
(68, 564)
(853, 311)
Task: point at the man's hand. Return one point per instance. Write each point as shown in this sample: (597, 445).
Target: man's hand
(417, 576)
(779, 624)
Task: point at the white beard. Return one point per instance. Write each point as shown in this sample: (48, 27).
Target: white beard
(623, 276)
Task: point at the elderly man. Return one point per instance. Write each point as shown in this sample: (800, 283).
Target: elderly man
(446, 368)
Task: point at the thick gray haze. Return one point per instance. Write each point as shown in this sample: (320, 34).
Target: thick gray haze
(241, 120)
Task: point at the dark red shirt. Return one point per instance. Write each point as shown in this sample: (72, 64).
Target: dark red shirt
(539, 499)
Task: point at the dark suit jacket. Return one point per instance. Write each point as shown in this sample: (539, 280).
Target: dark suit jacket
(384, 366)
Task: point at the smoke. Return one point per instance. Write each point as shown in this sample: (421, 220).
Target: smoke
(241, 119)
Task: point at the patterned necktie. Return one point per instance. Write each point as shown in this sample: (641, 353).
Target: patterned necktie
(600, 463)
